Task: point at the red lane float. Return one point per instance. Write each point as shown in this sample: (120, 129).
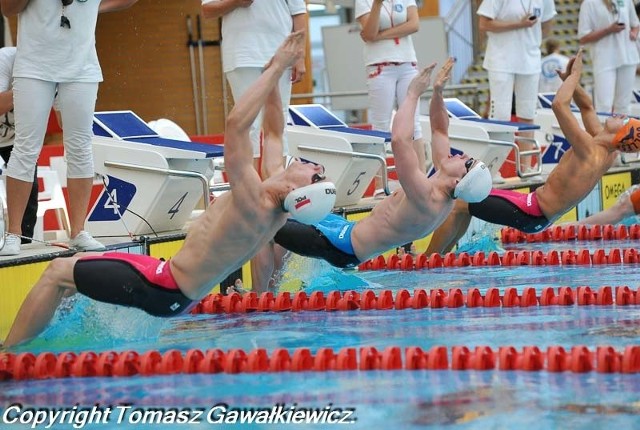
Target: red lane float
(508, 258)
(559, 233)
(579, 359)
(437, 298)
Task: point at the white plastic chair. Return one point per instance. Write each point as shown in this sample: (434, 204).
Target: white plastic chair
(51, 198)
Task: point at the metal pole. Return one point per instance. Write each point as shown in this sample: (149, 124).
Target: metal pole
(203, 86)
(194, 83)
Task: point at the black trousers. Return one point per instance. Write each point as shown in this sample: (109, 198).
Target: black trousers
(31, 211)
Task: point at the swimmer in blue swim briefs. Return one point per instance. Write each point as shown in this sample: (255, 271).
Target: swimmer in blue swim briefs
(412, 211)
(222, 239)
(592, 153)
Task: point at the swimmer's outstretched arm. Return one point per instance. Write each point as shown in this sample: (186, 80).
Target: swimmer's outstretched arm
(272, 128)
(582, 99)
(561, 105)
(440, 147)
(407, 166)
(238, 151)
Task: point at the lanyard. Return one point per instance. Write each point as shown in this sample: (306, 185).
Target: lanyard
(527, 11)
(396, 40)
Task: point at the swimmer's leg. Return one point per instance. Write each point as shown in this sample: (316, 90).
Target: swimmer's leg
(451, 230)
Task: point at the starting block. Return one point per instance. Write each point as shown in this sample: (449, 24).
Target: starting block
(151, 184)
(352, 157)
(487, 140)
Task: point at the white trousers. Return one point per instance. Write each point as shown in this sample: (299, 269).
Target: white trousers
(387, 85)
(613, 89)
(33, 99)
(240, 79)
(503, 85)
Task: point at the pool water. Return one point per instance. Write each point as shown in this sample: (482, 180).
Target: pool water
(381, 399)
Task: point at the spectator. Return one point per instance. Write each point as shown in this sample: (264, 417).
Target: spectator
(609, 29)
(251, 33)
(56, 54)
(391, 62)
(512, 58)
(551, 63)
(7, 134)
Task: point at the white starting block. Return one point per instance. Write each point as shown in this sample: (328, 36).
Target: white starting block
(352, 157)
(160, 180)
(487, 140)
(552, 135)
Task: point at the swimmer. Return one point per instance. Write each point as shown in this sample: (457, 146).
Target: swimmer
(224, 237)
(627, 205)
(592, 153)
(410, 212)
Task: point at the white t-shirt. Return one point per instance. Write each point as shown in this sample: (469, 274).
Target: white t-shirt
(613, 50)
(549, 79)
(53, 53)
(7, 130)
(251, 35)
(393, 12)
(516, 51)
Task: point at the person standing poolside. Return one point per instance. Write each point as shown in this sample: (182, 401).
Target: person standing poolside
(512, 58)
(609, 28)
(414, 210)
(232, 229)
(592, 153)
(7, 134)
(56, 54)
(251, 33)
(390, 57)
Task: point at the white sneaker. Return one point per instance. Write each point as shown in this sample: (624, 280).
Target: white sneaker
(85, 242)
(11, 245)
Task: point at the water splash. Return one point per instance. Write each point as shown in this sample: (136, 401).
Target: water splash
(312, 275)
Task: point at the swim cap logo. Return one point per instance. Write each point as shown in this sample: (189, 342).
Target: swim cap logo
(628, 137)
(302, 201)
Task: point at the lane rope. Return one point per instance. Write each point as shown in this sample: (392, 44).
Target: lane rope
(419, 299)
(585, 257)
(567, 233)
(577, 359)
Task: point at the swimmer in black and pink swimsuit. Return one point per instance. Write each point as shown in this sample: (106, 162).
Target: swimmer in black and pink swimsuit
(131, 280)
(511, 208)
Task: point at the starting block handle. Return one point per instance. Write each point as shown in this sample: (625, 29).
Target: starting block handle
(170, 172)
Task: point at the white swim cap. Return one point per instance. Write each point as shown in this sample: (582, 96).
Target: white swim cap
(311, 203)
(475, 186)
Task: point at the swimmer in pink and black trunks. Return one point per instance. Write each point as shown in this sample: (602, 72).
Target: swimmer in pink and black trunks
(131, 280)
(593, 150)
(232, 229)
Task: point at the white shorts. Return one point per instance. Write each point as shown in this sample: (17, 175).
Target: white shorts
(502, 87)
